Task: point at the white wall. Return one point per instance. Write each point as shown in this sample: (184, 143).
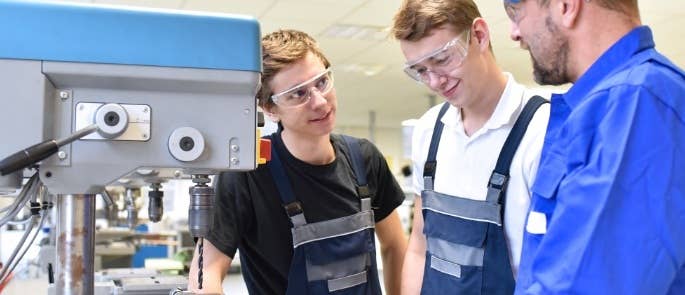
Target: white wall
(388, 140)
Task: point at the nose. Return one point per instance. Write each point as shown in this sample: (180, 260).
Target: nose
(316, 97)
(515, 32)
(435, 80)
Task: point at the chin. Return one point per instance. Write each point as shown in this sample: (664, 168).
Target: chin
(328, 129)
(323, 130)
(455, 101)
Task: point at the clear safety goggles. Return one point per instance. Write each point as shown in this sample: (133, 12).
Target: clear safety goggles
(514, 10)
(301, 93)
(440, 61)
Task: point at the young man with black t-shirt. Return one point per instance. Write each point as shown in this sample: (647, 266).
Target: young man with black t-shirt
(305, 222)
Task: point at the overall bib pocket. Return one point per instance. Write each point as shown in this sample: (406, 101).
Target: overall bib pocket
(454, 257)
(339, 257)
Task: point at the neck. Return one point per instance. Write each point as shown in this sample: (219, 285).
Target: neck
(585, 51)
(315, 150)
(475, 115)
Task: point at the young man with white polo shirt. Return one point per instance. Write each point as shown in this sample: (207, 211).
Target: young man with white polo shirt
(473, 156)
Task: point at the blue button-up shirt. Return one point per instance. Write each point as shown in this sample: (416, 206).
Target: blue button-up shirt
(609, 199)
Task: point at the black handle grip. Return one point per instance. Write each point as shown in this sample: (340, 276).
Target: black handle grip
(51, 275)
(28, 156)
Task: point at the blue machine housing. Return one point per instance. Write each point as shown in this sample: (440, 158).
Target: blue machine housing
(112, 35)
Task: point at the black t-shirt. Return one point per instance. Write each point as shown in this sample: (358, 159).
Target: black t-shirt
(249, 214)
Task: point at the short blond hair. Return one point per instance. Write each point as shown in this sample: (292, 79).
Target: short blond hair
(416, 18)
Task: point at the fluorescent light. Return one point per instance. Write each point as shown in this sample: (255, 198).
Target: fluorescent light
(355, 32)
(365, 69)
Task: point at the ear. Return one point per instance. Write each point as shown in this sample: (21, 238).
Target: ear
(270, 112)
(568, 11)
(480, 33)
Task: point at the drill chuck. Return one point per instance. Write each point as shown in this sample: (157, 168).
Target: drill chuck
(200, 213)
(155, 208)
(132, 218)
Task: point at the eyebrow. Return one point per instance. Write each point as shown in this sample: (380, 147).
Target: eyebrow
(425, 56)
(310, 80)
(435, 51)
(298, 85)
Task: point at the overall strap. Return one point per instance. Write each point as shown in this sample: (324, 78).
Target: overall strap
(359, 171)
(431, 164)
(500, 176)
(285, 191)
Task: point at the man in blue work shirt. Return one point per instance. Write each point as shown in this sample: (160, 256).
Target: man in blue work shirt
(608, 208)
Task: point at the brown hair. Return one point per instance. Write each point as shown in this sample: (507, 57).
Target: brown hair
(416, 18)
(279, 50)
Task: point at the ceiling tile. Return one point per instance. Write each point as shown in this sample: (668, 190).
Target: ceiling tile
(254, 8)
(311, 10)
(374, 13)
(174, 4)
(78, 1)
(386, 52)
(340, 50)
(312, 28)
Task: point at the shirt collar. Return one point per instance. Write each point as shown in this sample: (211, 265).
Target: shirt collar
(614, 58)
(509, 103)
(504, 112)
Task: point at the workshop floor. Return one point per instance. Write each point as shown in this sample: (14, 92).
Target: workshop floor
(233, 283)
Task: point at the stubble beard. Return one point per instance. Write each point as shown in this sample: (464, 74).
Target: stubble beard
(551, 68)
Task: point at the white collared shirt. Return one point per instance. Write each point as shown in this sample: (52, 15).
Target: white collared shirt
(464, 163)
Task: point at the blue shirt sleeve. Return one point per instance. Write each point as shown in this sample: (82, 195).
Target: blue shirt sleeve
(618, 220)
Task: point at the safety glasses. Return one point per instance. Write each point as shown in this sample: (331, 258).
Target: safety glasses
(514, 10)
(301, 93)
(440, 61)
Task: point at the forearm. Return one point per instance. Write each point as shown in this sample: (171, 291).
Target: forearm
(414, 259)
(393, 244)
(393, 258)
(412, 270)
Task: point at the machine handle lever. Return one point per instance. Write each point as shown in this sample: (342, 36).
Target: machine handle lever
(39, 152)
(28, 156)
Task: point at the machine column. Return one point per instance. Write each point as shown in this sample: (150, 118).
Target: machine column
(75, 244)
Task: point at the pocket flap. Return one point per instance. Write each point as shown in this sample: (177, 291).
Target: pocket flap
(455, 230)
(549, 176)
(333, 249)
(456, 253)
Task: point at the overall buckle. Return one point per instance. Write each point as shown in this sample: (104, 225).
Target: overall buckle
(496, 186)
(293, 208)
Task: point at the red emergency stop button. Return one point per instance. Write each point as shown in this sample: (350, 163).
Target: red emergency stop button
(264, 151)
